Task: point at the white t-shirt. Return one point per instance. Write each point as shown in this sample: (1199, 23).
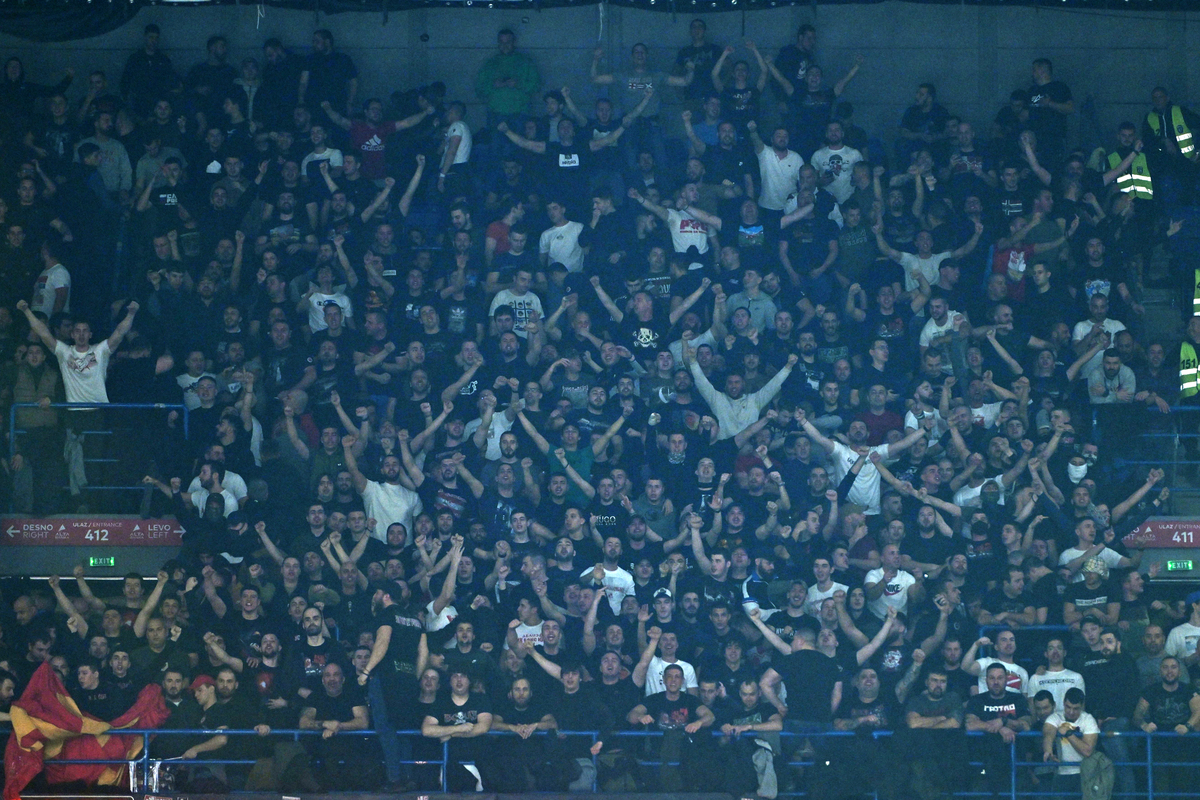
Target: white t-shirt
(940, 426)
(932, 329)
(528, 633)
(387, 504)
(331, 154)
(232, 482)
(463, 154)
(778, 176)
(1068, 756)
(188, 384)
(83, 373)
(1082, 330)
(986, 414)
(839, 163)
(561, 243)
(435, 622)
(1110, 557)
(1056, 683)
(521, 305)
(895, 593)
(1017, 676)
(815, 597)
(618, 582)
(200, 498)
(865, 491)
(654, 675)
(929, 268)
(316, 309)
(687, 231)
(45, 289)
(1181, 642)
(501, 424)
(968, 496)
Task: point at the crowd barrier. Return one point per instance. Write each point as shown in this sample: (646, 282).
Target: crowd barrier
(131, 416)
(1018, 788)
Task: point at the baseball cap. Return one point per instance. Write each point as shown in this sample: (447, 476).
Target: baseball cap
(202, 680)
(1097, 565)
(664, 592)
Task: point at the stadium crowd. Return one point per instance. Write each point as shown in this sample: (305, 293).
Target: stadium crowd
(562, 423)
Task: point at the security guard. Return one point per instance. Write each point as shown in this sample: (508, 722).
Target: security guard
(1169, 134)
(1188, 364)
(1169, 127)
(1189, 358)
(1127, 165)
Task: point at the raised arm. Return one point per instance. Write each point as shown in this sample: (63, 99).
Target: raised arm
(884, 247)
(37, 326)
(698, 147)
(520, 141)
(534, 433)
(649, 205)
(605, 300)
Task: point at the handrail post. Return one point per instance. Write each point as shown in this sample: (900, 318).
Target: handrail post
(445, 767)
(1012, 763)
(1149, 764)
(595, 764)
(146, 762)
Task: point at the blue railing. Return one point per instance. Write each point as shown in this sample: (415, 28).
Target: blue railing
(1016, 790)
(12, 426)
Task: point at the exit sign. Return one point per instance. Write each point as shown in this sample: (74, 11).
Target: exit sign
(102, 561)
(1184, 565)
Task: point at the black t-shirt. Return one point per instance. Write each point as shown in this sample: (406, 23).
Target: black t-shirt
(458, 500)
(810, 677)
(882, 708)
(672, 714)
(1168, 709)
(988, 708)
(934, 550)
(446, 712)
(1047, 593)
(340, 708)
(306, 662)
(1085, 598)
(644, 339)
(459, 317)
(405, 639)
(567, 167)
(1048, 124)
(997, 602)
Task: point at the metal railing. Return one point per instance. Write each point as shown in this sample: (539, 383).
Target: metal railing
(827, 741)
(1170, 433)
(97, 431)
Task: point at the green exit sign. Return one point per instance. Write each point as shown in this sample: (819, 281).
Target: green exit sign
(111, 561)
(1179, 566)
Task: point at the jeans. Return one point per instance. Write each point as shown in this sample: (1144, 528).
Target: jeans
(1117, 748)
(396, 749)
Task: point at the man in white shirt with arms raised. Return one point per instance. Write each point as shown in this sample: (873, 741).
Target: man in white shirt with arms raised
(865, 491)
(84, 365)
(393, 500)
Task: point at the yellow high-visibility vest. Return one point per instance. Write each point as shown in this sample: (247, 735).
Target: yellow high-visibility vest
(1137, 179)
(1183, 136)
(1188, 365)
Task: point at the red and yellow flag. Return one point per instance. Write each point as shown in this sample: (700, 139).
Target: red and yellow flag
(49, 729)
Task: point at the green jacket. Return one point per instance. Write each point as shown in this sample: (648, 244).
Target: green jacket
(508, 99)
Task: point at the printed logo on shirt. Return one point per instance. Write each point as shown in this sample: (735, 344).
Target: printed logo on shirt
(568, 159)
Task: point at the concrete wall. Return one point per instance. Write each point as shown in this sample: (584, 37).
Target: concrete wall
(975, 55)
